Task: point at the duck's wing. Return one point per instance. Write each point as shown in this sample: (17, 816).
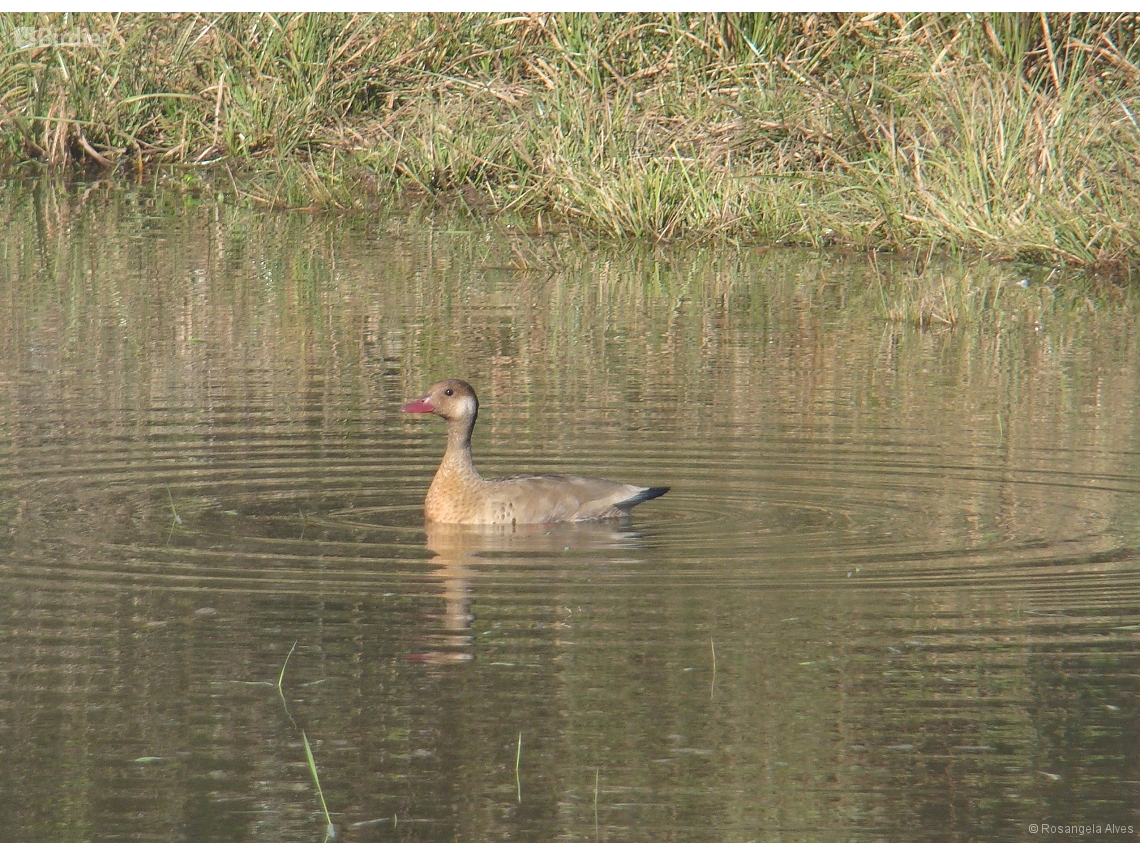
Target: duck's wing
(536, 499)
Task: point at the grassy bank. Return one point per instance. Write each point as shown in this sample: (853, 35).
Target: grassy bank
(1013, 134)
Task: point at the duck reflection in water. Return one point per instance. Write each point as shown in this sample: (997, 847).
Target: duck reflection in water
(460, 552)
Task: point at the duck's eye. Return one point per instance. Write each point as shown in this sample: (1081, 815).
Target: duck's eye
(447, 392)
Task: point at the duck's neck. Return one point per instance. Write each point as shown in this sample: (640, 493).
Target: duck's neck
(457, 458)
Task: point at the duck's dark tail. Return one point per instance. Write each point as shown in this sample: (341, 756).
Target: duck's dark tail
(644, 496)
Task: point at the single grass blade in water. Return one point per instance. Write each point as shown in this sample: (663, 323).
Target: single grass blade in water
(281, 676)
(518, 756)
(330, 829)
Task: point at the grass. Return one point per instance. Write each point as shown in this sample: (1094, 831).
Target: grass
(712, 685)
(176, 519)
(597, 781)
(518, 757)
(1013, 134)
(330, 829)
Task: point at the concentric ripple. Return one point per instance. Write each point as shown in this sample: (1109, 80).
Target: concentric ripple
(250, 503)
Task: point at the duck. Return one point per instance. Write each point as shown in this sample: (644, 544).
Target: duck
(459, 495)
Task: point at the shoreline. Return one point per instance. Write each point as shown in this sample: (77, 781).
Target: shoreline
(1012, 135)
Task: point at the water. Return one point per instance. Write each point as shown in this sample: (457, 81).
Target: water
(893, 593)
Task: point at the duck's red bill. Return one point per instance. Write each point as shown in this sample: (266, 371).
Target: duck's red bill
(420, 406)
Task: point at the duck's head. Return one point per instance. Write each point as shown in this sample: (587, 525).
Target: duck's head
(452, 399)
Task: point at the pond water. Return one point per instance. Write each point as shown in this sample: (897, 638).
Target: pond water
(893, 594)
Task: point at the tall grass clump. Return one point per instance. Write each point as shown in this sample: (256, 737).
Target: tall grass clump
(1016, 134)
